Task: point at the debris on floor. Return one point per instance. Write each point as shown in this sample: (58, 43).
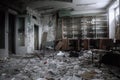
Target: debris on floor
(60, 53)
(54, 67)
(73, 54)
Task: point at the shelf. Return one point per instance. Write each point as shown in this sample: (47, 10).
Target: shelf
(85, 27)
(101, 20)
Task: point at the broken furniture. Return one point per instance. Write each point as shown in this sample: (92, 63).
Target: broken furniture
(99, 53)
(78, 44)
(116, 46)
(62, 44)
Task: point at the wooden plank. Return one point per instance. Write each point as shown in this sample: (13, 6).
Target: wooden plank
(117, 34)
(86, 44)
(65, 44)
(59, 45)
(78, 44)
(44, 38)
(100, 43)
(62, 45)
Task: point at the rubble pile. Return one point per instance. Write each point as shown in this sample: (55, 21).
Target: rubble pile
(54, 66)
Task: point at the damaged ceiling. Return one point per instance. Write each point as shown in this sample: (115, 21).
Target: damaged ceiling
(76, 5)
(54, 5)
(54, 0)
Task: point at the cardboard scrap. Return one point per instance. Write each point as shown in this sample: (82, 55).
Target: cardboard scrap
(88, 75)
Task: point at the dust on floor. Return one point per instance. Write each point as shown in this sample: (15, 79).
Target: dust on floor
(53, 67)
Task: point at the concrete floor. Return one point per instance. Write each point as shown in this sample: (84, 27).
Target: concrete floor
(53, 67)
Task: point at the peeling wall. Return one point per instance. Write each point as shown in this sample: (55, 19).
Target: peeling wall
(29, 32)
(45, 23)
(30, 35)
(30, 29)
(48, 23)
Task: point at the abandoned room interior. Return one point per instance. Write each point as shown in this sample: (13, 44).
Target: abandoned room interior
(60, 40)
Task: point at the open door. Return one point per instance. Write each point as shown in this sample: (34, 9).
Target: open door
(11, 35)
(36, 37)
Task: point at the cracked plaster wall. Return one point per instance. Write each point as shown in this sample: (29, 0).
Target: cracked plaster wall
(48, 23)
(29, 32)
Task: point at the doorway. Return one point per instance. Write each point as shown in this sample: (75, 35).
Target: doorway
(2, 30)
(36, 37)
(11, 34)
